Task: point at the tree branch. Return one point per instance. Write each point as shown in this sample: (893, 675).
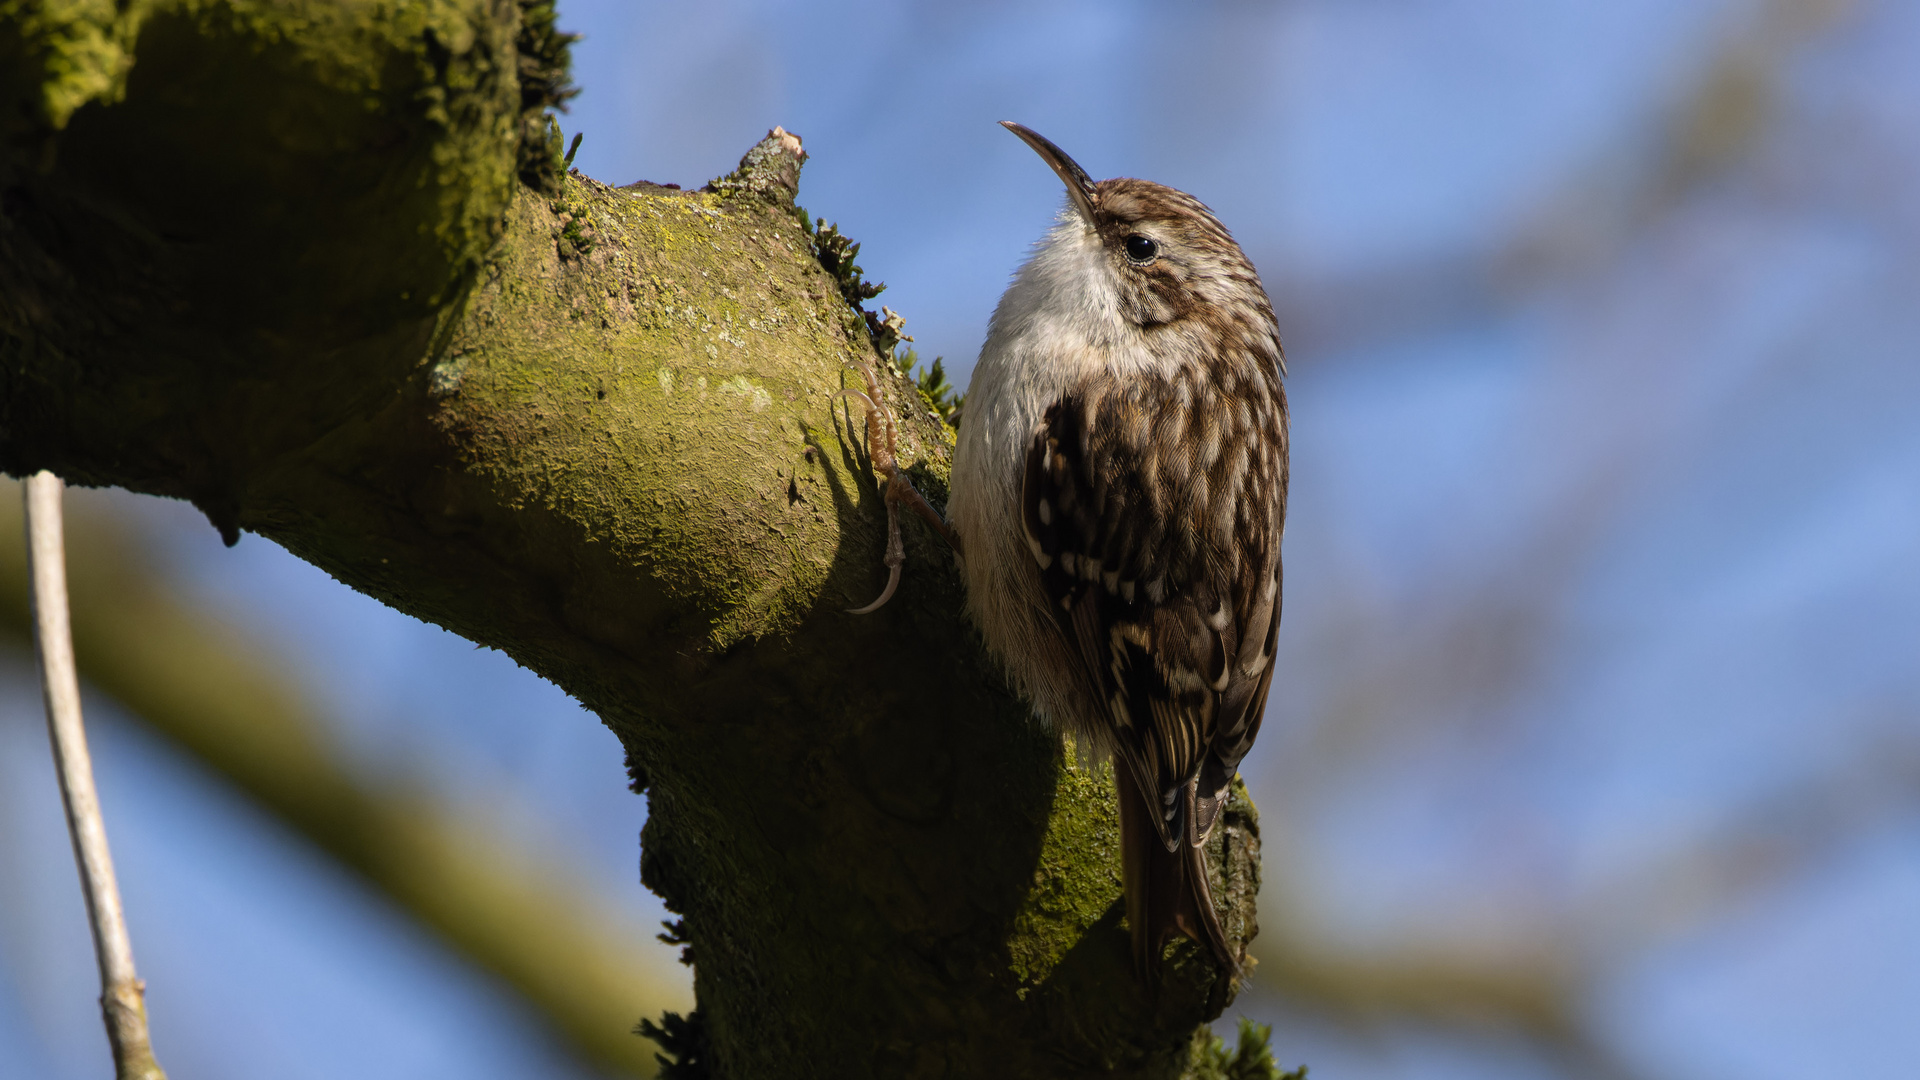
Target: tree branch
(606, 445)
(211, 689)
(122, 996)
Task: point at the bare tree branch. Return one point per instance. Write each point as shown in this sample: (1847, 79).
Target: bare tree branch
(122, 995)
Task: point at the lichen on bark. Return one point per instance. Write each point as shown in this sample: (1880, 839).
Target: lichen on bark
(597, 428)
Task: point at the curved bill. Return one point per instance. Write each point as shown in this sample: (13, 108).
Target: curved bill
(1079, 184)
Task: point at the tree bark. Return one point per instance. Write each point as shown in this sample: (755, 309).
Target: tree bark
(311, 266)
(222, 696)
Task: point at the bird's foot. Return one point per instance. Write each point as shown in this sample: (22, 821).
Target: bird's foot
(882, 452)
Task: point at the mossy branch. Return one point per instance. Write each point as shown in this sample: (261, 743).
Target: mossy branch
(206, 686)
(596, 428)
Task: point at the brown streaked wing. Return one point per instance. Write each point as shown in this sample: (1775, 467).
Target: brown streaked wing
(1153, 595)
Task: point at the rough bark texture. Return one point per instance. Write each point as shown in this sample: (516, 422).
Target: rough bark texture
(231, 702)
(281, 259)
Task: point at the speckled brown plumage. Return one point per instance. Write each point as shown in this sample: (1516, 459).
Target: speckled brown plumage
(1120, 490)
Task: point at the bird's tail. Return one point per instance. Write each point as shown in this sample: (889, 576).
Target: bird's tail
(1167, 891)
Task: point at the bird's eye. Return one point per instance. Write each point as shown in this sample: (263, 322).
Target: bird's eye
(1140, 249)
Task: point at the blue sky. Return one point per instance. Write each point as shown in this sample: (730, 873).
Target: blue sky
(1604, 557)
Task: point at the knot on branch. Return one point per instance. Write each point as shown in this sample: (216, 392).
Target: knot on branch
(770, 171)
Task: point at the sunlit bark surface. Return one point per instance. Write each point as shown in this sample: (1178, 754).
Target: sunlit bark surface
(314, 282)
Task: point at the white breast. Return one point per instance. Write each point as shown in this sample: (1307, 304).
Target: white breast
(1057, 326)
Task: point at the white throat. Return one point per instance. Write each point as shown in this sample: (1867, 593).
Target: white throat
(1056, 326)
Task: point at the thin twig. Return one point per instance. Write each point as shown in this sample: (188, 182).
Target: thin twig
(123, 997)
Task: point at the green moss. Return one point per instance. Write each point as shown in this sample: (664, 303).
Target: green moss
(614, 452)
(653, 389)
(57, 55)
(295, 188)
(836, 253)
(936, 393)
(573, 216)
(1252, 1059)
(687, 1050)
(1078, 875)
(885, 329)
(415, 104)
(546, 84)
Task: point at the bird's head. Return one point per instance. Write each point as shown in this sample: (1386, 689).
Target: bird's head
(1151, 255)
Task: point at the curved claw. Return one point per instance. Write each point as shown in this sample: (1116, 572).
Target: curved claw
(886, 594)
(896, 556)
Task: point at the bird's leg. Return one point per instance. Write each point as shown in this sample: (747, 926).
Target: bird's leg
(882, 450)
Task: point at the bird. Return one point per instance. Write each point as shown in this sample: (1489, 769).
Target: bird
(1118, 497)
